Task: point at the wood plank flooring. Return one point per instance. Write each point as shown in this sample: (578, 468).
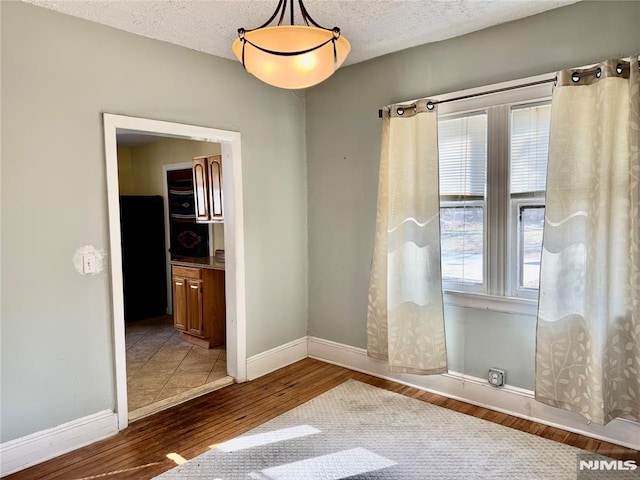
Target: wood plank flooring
(140, 451)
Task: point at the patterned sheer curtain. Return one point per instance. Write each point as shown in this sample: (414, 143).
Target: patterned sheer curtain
(405, 321)
(588, 333)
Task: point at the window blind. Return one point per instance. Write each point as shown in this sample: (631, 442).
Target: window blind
(529, 148)
(462, 145)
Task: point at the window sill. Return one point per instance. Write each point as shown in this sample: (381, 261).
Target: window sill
(514, 305)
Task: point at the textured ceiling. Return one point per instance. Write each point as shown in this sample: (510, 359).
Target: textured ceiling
(373, 28)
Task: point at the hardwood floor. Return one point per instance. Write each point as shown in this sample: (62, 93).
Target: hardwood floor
(140, 451)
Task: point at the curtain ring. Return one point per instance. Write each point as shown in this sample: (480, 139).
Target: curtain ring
(400, 111)
(575, 78)
(430, 105)
(619, 69)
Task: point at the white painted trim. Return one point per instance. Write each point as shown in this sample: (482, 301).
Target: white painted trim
(234, 240)
(494, 303)
(167, 234)
(511, 400)
(40, 446)
(231, 150)
(115, 258)
(278, 357)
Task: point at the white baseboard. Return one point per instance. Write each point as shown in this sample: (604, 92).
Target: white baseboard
(37, 447)
(278, 357)
(511, 400)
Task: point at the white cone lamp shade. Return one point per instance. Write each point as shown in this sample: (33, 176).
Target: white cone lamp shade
(292, 71)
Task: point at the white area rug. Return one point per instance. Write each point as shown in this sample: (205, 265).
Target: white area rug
(360, 432)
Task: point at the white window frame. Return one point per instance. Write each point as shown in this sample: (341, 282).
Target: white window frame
(471, 287)
(501, 292)
(471, 201)
(515, 269)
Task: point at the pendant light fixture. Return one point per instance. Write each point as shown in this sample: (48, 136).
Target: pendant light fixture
(291, 56)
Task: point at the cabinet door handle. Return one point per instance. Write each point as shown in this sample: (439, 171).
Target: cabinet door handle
(194, 286)
(179, 283)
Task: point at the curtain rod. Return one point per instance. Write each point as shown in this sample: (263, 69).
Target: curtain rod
(595, 70)
(488, 92)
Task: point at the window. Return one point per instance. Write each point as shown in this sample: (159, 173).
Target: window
(493, 159)
(528, 170)
(462, 146)
(530, 225)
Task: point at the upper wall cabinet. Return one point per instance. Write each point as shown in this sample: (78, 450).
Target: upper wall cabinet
(207, 186)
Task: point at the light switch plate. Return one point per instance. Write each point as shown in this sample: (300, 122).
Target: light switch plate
(88, 263)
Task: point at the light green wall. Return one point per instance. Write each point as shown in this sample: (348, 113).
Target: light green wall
(480, 339)
(343, 146)
(59, 74)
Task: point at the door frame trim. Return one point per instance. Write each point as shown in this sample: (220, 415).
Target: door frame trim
(233, 239)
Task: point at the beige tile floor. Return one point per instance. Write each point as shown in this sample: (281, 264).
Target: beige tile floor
(160, 365)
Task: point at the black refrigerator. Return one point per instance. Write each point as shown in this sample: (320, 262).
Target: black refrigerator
(143, 256)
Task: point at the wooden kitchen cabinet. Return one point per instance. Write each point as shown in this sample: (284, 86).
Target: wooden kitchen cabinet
(207, 189)
(199, 305)
(179, 302)
(195, 307)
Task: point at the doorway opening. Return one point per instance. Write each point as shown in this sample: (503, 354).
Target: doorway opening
(158, 226)
(117, 126)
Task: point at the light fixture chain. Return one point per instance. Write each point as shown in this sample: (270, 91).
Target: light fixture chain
(275, 13)
(282, 9)
(307, 18)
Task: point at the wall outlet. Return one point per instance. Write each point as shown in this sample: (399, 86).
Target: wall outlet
(497, 377)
